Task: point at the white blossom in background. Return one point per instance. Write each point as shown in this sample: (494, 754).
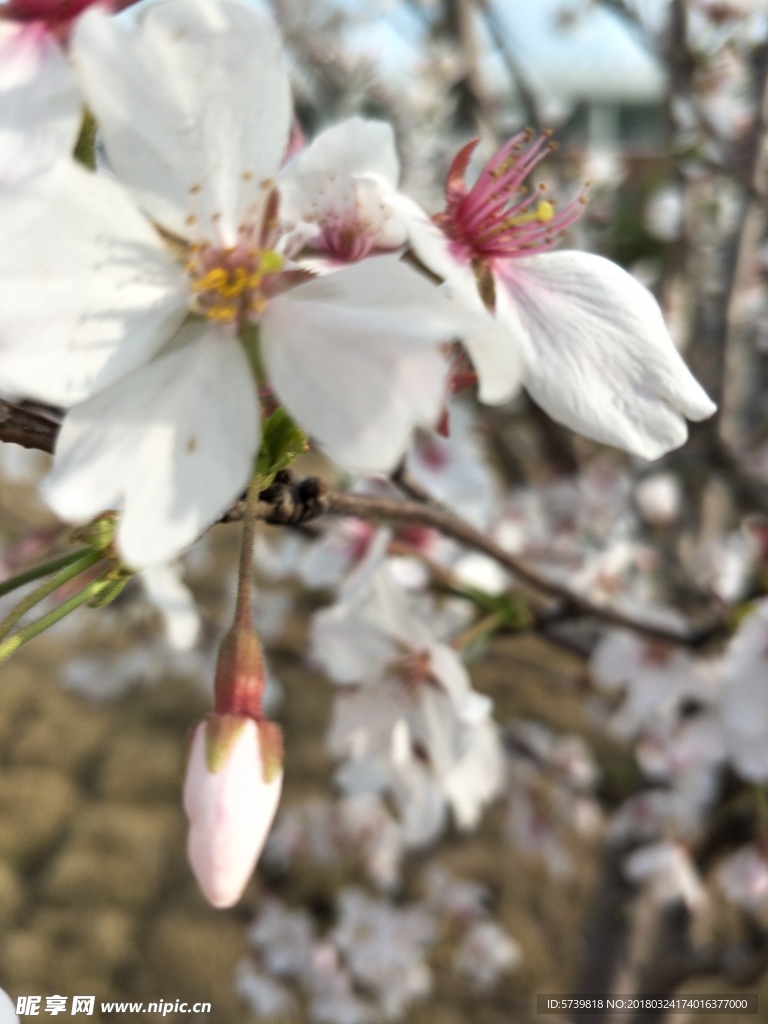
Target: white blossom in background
(411, 724)
(549, 794)
(642, 817)
(659, 498)
(745, 696)
(384, 947)
(654, 676)
(457, 899)
(664, 213)
(485, 953)
(743, 877)
(164, 421)
(357, 828)
(455, 469)
(727, 564)
(668, 874)
(331, 991)
(374, 961)
(267, 997)
(285, 937)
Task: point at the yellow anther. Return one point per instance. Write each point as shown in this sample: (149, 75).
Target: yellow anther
(213, 280)
(545, 211)
(271, 262)
(223, 313)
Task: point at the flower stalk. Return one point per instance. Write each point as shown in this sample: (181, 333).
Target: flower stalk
(235, 768)
(69, 571)
(38, 571)
(93, 591)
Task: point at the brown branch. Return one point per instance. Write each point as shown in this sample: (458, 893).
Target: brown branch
(290, 502)
(29, 429)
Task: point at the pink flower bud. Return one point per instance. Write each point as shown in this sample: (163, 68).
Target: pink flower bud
(231, 792)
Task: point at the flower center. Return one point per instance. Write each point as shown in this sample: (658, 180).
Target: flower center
(231, 285)
(501, 216)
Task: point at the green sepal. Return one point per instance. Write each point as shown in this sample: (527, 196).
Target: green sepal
(99, 534)
(271, 747)
(281, 442)
(85, 147)
(221, 734)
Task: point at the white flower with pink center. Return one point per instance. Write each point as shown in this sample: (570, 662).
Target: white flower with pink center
(143, 301)
(338, 184)
(587, 339)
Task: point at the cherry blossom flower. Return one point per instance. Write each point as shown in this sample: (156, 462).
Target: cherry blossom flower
(656, 676)
(596, 354)
(743, 877)
(147, 328)
(668, 872)
(486, 952)
(384, 947)
(338, 184)
(410, 723)
(659, 499)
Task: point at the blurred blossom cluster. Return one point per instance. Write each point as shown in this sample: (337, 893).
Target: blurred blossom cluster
(377, 958)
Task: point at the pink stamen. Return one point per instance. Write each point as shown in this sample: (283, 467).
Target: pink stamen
(499, 216)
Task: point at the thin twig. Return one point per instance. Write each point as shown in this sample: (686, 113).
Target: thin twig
(289, 502)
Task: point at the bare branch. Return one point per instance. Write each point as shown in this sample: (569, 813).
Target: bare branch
(290, 502)
(30, 430)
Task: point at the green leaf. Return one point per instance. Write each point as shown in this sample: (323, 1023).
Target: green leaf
(281, 442)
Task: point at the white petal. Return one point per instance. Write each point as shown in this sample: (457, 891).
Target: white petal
(174, 600)
(87, 292)
(493, 350)
(596, 352)
(353, 355)
(339, 183)
(430, 244)
(451, 675)
(193, 104)
(172, 445)
(40, 108)
(355, 147)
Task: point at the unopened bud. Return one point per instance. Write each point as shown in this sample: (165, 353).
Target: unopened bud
(231, 792)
